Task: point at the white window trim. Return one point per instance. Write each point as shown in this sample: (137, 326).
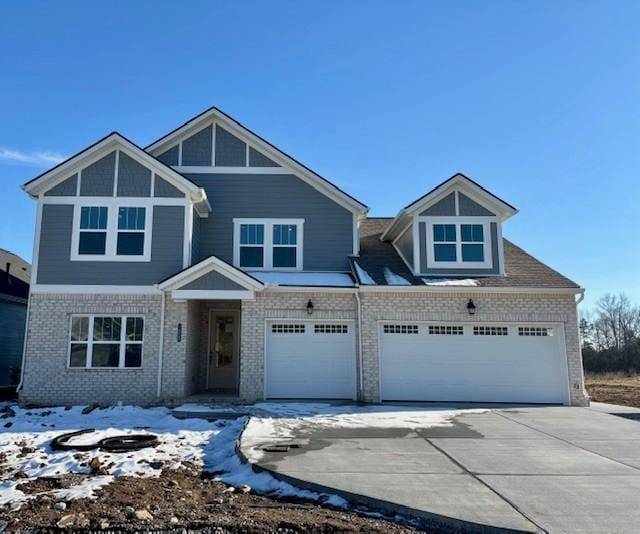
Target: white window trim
(458, 221)
(112, 205)
(122, 342)
(268, 243)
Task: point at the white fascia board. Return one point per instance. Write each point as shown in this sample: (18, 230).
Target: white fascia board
(95, 289)
(212, 294)
(309, 289)
(473, 289)
(211, 264)
(214, 116)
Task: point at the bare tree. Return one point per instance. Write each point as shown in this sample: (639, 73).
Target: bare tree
(615, 324)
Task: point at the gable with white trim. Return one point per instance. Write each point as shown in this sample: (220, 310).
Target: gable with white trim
(213, 142)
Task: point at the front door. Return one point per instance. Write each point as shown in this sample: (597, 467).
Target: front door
(223, 351)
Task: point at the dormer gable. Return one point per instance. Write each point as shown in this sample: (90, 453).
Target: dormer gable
(453, 230)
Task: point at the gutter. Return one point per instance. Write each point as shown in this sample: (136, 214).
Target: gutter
(24, 342)
(360, 360)
(161, 347)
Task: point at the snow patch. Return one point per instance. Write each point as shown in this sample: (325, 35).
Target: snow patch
(464, 282)
(304, 279)
(363, 275)
(394, 279)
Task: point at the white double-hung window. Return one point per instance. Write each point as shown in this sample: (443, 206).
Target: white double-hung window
(268, 244)
(97, 341)
(458, 243)
(111, 232)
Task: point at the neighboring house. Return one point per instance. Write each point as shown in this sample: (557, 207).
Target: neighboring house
(212, 262)
(14, 294)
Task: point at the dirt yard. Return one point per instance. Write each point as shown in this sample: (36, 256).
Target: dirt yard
(181, 499)
(614, 388)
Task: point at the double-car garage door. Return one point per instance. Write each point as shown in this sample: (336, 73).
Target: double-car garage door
(473, 362)
(420, 361)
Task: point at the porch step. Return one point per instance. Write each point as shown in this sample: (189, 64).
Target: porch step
(210, 407)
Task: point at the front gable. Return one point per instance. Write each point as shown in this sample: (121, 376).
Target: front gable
(115, 167)
(212, 278)
(213, 142)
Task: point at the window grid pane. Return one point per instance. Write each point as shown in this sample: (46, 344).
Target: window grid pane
(251, 257)
(92, 243)
(284, 257)
(472, 252)
(284, 234)
(93, 218)
(252, 234)
(106, 328)
(131, 218)
(473, 233)
(444, 252)
(79, 329)
(130, 244)
(105, 355)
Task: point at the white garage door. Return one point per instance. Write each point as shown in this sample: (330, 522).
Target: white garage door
(310, 360)
(476, 363)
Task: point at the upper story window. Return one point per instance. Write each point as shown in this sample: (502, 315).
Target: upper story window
(458, 244)
(111, 233)
(268, 244)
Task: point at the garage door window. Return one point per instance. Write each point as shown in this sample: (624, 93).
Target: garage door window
(400, 329)
(437, 330)
(534, 331)
(490, 331)
(288, 328)
(330, 329)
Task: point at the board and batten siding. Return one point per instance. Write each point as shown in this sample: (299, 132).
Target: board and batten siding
(328, 227)
(56, 267)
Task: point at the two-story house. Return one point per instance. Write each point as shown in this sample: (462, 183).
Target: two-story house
(212, 262)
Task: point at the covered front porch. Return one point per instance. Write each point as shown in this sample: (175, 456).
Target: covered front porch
(203, 338)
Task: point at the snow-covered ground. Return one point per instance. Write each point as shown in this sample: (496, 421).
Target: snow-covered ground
(25, 452)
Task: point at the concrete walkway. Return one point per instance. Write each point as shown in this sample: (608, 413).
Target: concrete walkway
(554, 469)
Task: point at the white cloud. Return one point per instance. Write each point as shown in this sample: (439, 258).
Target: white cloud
(40, 159)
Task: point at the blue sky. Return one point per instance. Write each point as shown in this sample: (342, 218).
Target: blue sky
(537, 101)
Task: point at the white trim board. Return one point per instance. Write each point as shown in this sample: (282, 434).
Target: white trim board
(212, 294)
(94, 289)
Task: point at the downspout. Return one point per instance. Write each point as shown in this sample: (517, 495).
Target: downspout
(24, 342)
(360, 361)
(584, 391)
(161, 349)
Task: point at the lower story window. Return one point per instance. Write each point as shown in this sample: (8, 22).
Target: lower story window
(98, 341)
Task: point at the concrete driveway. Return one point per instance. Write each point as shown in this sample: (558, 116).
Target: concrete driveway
(554, 469)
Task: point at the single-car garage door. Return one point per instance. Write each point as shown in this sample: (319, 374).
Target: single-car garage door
(476, 363)
(310, 360)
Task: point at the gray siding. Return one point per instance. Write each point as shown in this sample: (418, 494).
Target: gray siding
(97, 179)
(460, 272)
(328, 228)
(195, 241)
(405, 245)
(170, 157)
(258, 159)
(12, 323)
(164, 189)
(66, 188)
(213, 280)
(444, 207)
(471, 208)
(55, 267)
(134, 179)
(230, 151)
(196, 150)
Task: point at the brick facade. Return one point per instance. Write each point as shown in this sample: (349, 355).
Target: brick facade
(48, 380)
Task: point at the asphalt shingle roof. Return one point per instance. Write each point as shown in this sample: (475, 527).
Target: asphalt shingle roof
(521, 269)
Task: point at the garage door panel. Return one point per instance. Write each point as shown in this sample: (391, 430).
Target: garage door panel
(474, 368)
(317, 361)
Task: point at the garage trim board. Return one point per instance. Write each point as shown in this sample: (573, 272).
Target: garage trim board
(305, 371)
(464, 361)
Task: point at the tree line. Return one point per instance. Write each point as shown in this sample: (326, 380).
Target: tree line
(611, 335)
